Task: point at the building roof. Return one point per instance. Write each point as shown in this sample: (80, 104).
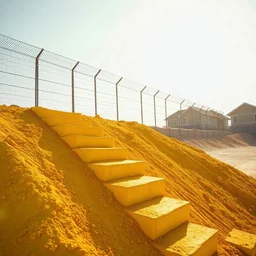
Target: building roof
(211, 113)
(176, 114)
(245, 103)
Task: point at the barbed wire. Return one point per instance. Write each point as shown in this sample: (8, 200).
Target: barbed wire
(56, 75)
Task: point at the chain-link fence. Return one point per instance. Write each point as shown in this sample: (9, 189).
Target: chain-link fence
(32, 76)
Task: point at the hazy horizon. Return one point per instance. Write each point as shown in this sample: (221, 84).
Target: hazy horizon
(204, 51)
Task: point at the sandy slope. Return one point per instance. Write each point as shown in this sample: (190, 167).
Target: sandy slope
(229, 141)
(238, 150)
(50, 201)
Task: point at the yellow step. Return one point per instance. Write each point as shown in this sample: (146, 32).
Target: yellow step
(244, 241)
(158, 216)
(119, 169)
(45, 112)
(137, 189)
(189, 239)
(60, 120)
(78, 141)
(66, 130)
(90, 155)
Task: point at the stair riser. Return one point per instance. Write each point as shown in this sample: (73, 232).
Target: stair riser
(42, 112)
(157, 227)
(107, 173)
(132, 195)
(76, 141)
(53, 121)
(77, 130)
(189, 239)
(206, 249)
(209, 247)
(100, 155)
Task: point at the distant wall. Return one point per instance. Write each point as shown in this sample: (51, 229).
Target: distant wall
(190, 133)
(244, 128)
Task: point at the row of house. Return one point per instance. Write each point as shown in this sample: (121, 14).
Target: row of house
(243, 119)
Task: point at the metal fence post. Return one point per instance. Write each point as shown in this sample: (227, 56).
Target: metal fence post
(217, 120)
(181, 115)
(192, 115)
(207, 122)
(165, 104)
(95, 92)
(73, 87)
(117, 105)
(155, 105)
(37, 78)
(201, 117)
(141, 104)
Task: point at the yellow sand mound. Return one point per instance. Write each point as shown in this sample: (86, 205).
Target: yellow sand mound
(51, 203)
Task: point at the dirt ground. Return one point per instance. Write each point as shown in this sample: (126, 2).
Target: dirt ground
(238, 150)
(242, 158)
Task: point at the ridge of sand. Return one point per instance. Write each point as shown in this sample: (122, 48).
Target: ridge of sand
(51, 202)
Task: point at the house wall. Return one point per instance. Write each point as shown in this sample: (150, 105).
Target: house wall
(223, 124)
(194, 119)
(191, 118)
(209, 122)
(244, 128)
(244, 118)
(245, 115)
(173, 123)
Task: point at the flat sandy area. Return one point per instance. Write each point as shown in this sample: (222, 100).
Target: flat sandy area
(242, 158)
(238, 150)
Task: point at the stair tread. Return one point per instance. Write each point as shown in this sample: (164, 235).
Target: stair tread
(63, 117)
(157, 207)
(242, 239)
(45, 112)
(186, 239)
(134, 181)
(116, 163)
(69, 129)
(87, 136)
(72, 125)
(85, 141)
(73, 120)
(114, 148)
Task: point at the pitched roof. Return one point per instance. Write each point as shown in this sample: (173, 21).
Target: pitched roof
(245, 103)
(176, 114)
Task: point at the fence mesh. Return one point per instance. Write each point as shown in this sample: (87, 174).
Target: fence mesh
(68, 85)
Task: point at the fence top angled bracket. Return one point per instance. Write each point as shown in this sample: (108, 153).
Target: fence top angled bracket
(75, 66)
(182, 101)
(39, 54)
(143, 89)
(119, 81)
(97, 73)
(167, 97)
(156, 93)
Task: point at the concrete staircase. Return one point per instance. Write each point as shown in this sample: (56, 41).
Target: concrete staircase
(163, 219)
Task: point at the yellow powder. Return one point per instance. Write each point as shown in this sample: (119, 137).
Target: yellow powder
(51, 203)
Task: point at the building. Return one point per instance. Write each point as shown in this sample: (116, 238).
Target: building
(196, 118)
(243, 118)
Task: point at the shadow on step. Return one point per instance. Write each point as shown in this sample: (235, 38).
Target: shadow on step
(86, 208)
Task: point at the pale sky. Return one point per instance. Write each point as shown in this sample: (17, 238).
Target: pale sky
(201, 50)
